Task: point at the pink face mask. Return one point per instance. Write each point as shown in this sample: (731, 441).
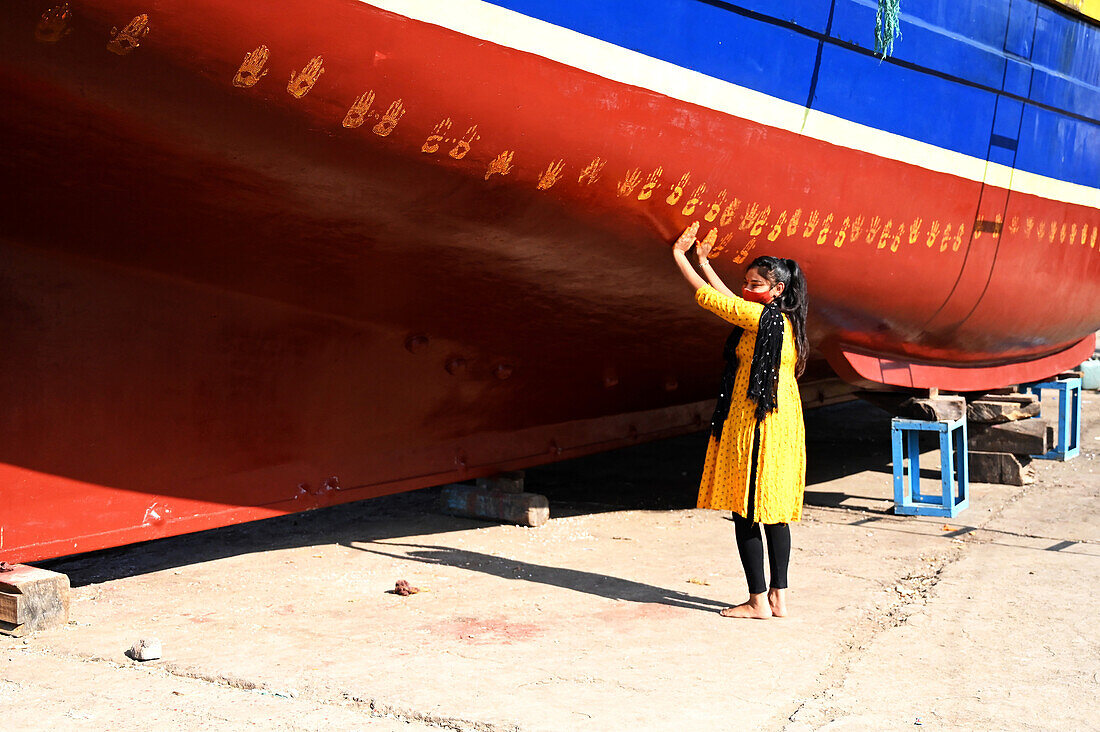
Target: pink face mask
(752, 296)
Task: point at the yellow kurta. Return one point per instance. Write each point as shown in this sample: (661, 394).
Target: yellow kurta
(781, 477)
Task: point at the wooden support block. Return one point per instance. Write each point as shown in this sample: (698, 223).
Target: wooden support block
(1015, 398)
(525, 509)
(1000, 467)
(1024, 437)
(939, 409)
(32, 599)
(507, 482)
(996, 411)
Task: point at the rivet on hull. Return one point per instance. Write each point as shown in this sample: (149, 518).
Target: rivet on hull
(455, 366)
(416, 343)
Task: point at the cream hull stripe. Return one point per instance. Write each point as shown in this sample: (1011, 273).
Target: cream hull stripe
(515, 30)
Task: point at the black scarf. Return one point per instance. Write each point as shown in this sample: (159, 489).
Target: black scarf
(763, 373)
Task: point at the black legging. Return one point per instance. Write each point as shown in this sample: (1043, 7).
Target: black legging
(750, 545)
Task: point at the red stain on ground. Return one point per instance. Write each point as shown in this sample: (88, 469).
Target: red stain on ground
(485, 630)
(634, 611)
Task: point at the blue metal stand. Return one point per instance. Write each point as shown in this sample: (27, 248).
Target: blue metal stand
(1069, 417)
(954, 471)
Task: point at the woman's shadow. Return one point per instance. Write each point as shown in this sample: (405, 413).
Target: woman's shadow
(613, 588)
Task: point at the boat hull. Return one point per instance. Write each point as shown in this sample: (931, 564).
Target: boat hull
(230, 295)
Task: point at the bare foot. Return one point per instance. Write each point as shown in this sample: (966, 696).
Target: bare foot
(757, 607)
(777, 601)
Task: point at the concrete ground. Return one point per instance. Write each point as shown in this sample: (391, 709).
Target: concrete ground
(605, 618)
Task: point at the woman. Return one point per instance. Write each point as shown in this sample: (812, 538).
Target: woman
(756, 457)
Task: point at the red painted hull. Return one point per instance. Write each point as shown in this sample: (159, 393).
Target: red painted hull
(224, 302)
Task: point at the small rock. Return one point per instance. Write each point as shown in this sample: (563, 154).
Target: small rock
(146, 649)
(402, 588)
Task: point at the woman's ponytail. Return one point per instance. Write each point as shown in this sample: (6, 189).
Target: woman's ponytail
(795, 301)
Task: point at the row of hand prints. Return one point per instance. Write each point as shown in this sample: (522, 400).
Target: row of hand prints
(723, 210)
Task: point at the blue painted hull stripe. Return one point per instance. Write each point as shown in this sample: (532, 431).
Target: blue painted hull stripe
(977, 113)
(615, 21)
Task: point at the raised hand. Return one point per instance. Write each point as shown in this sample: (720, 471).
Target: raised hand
(687, 239)
(702, 249)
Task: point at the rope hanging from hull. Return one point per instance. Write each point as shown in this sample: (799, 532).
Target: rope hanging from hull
(887, 26)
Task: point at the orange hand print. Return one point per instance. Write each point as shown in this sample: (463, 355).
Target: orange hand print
(842, 233)
(716, 207)
(778, 228)
(694, 200)
(721, 247)
(129, 38)
(857, 227)
(252, 68)
(914, 230)
(463, 145)
(730, 212)
(885, 238)
(823, 232)
(357, 112)
(302, 81)
(946, 240)
(811, 225)
(933, 234)
(651, 183)
(744, 253)
(873, 229)
(627, 185)
(761, 222)
(749, 217)
(592, 172)
(501, 165)
(792, 224)
(958, 238)
(390, 119)
(551, 175)
(898, 236)
(54, 24)
(678, 190)
(431, 145)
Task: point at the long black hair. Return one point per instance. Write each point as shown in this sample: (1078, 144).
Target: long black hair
(794, 301)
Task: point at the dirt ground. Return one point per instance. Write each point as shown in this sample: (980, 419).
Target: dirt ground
(605, 618)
